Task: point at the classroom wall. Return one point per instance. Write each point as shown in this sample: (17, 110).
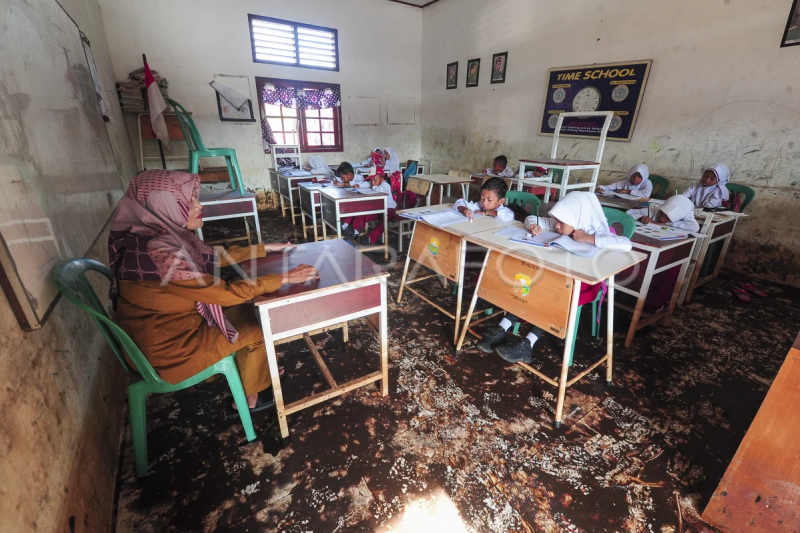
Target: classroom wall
(189, 41)
(61, 390)
(720, 90)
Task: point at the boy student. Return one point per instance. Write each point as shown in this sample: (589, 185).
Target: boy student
(346, 176)
(493, 198)
(353, 226)
(500, 168)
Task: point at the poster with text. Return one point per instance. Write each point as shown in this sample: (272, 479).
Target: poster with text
(617, 87)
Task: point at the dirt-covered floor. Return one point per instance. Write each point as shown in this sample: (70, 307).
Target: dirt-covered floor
(465, 442)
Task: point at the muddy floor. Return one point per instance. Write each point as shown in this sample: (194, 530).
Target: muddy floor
(465, 442)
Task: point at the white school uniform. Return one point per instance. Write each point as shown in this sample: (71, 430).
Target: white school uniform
(582, 211)
(643, 190)
(506, 173)
(357, 178)
(368, 162)
(679, 209)
(504, 214)
(711, 196)
(387, 188)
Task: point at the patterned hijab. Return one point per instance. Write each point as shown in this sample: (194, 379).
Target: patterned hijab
(148, 240)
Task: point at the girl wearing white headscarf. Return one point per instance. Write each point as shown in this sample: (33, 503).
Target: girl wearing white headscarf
(391, 161)
(677, 211)
(320, 168)
(580, 216)
(711, 190)
(369, 162)
(636, 184)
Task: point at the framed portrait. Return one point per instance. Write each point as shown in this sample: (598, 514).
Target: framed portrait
(452, 75)
(499, 63)
(473, 72)
(791, 35)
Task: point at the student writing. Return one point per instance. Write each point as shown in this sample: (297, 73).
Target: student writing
(353, 226)
(677, 211)
(636, 184)
(710, 191)
(500, 168)
(346, 176)
(493, 198)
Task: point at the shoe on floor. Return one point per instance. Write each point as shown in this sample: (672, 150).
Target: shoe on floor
(349, 233)
(518, 350)
(363, 239)
(493, 336)
(266, 400)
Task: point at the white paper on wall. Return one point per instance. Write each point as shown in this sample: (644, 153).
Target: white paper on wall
(364, 110)
(400, 110)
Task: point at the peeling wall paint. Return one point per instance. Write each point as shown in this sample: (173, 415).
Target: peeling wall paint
(61, 390)
(720, 90)
(379, 56)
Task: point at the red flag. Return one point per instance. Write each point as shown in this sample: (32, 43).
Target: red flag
(157, 106)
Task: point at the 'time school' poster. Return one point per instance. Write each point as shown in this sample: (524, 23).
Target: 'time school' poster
(617, 87)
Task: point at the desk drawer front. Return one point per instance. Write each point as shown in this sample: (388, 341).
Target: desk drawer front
(534, 294)
(328, 210)
(316, 310)
(305, 200)
(437, 250)
(273, 180)
(358, 206)
(723, 229)
(674, 254)
(243, 207)
(283, 186)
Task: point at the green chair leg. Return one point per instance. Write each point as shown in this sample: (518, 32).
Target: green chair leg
(575, 336)
(138, 416)
(455, 289)
(228, 368)
(239, 180)
(516, 328)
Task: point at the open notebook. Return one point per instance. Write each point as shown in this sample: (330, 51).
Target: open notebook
(441, 219)
(549, 239)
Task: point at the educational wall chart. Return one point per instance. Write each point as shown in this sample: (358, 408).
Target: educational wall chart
(617, 87)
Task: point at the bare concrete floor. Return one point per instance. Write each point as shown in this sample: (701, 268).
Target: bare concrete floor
(465, 442)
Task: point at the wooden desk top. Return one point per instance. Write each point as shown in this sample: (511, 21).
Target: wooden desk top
(559, 162)
(224, 195)
(586, 269)
(312, 185)
(339, 193)
(338, 263)
(619, 203)
(442, 179)
(466, 227)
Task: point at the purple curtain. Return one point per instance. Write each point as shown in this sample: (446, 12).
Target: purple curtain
(295, 99)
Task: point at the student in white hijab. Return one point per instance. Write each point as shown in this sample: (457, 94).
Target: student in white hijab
(580, 216)
(391, 161)
(677, 211)
(711, 190)
(368, 162)
(636, 184)
(320, 168)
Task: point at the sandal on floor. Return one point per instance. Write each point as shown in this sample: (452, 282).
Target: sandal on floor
(742, 294)
(749, 287)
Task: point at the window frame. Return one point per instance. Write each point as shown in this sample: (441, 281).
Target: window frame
(334, 31)
(301, 113)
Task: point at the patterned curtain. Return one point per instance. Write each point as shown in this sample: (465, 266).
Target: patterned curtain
(295, 99)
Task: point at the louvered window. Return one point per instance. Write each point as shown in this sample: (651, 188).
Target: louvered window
(283, 42)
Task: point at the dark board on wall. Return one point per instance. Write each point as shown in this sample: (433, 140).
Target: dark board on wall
(59, 178)
(617, 87)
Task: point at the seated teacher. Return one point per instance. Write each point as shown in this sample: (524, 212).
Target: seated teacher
(168, 300)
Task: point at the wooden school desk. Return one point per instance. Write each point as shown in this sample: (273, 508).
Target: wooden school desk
(661, 256)
(716, 227)
(350, 286)
(310, 204)
(338, 203)
(443, 180)
(227, 203)
(542, 286)
(444, 251)
(289, 189)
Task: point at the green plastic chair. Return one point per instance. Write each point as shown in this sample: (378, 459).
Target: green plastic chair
(660, 186)
(198, 150)
(749, 194)
(70, 279)
(527, 201)
(622, 218)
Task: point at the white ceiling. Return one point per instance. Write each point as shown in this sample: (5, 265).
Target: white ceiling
(418, 3)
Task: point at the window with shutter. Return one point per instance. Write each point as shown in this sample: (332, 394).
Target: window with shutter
(283, 42)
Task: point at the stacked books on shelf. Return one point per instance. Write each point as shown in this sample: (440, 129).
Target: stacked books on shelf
(132, 93)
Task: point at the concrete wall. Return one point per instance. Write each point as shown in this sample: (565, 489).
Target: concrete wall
(189, 41)
(720, 90)
(62, 392)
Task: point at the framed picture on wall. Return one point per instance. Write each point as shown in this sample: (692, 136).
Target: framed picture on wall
(791, 35)
(499, 63)
(473, 72)
(452, 75)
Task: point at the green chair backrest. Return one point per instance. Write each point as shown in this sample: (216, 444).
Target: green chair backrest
(70, 279)
(527, 201)
(749, 194)
(188, 128)
(660, 186)
(624, 219)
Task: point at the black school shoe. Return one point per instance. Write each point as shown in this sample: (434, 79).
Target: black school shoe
(349, 233)
(493, 336)
(364, 239)
(519, 350)
(266, 400)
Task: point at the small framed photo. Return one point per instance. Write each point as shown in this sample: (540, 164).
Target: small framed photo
(791, 35)
(452, 75)
(499, 63)
(473, 72)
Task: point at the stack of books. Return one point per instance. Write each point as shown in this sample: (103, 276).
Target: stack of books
(132, 91)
